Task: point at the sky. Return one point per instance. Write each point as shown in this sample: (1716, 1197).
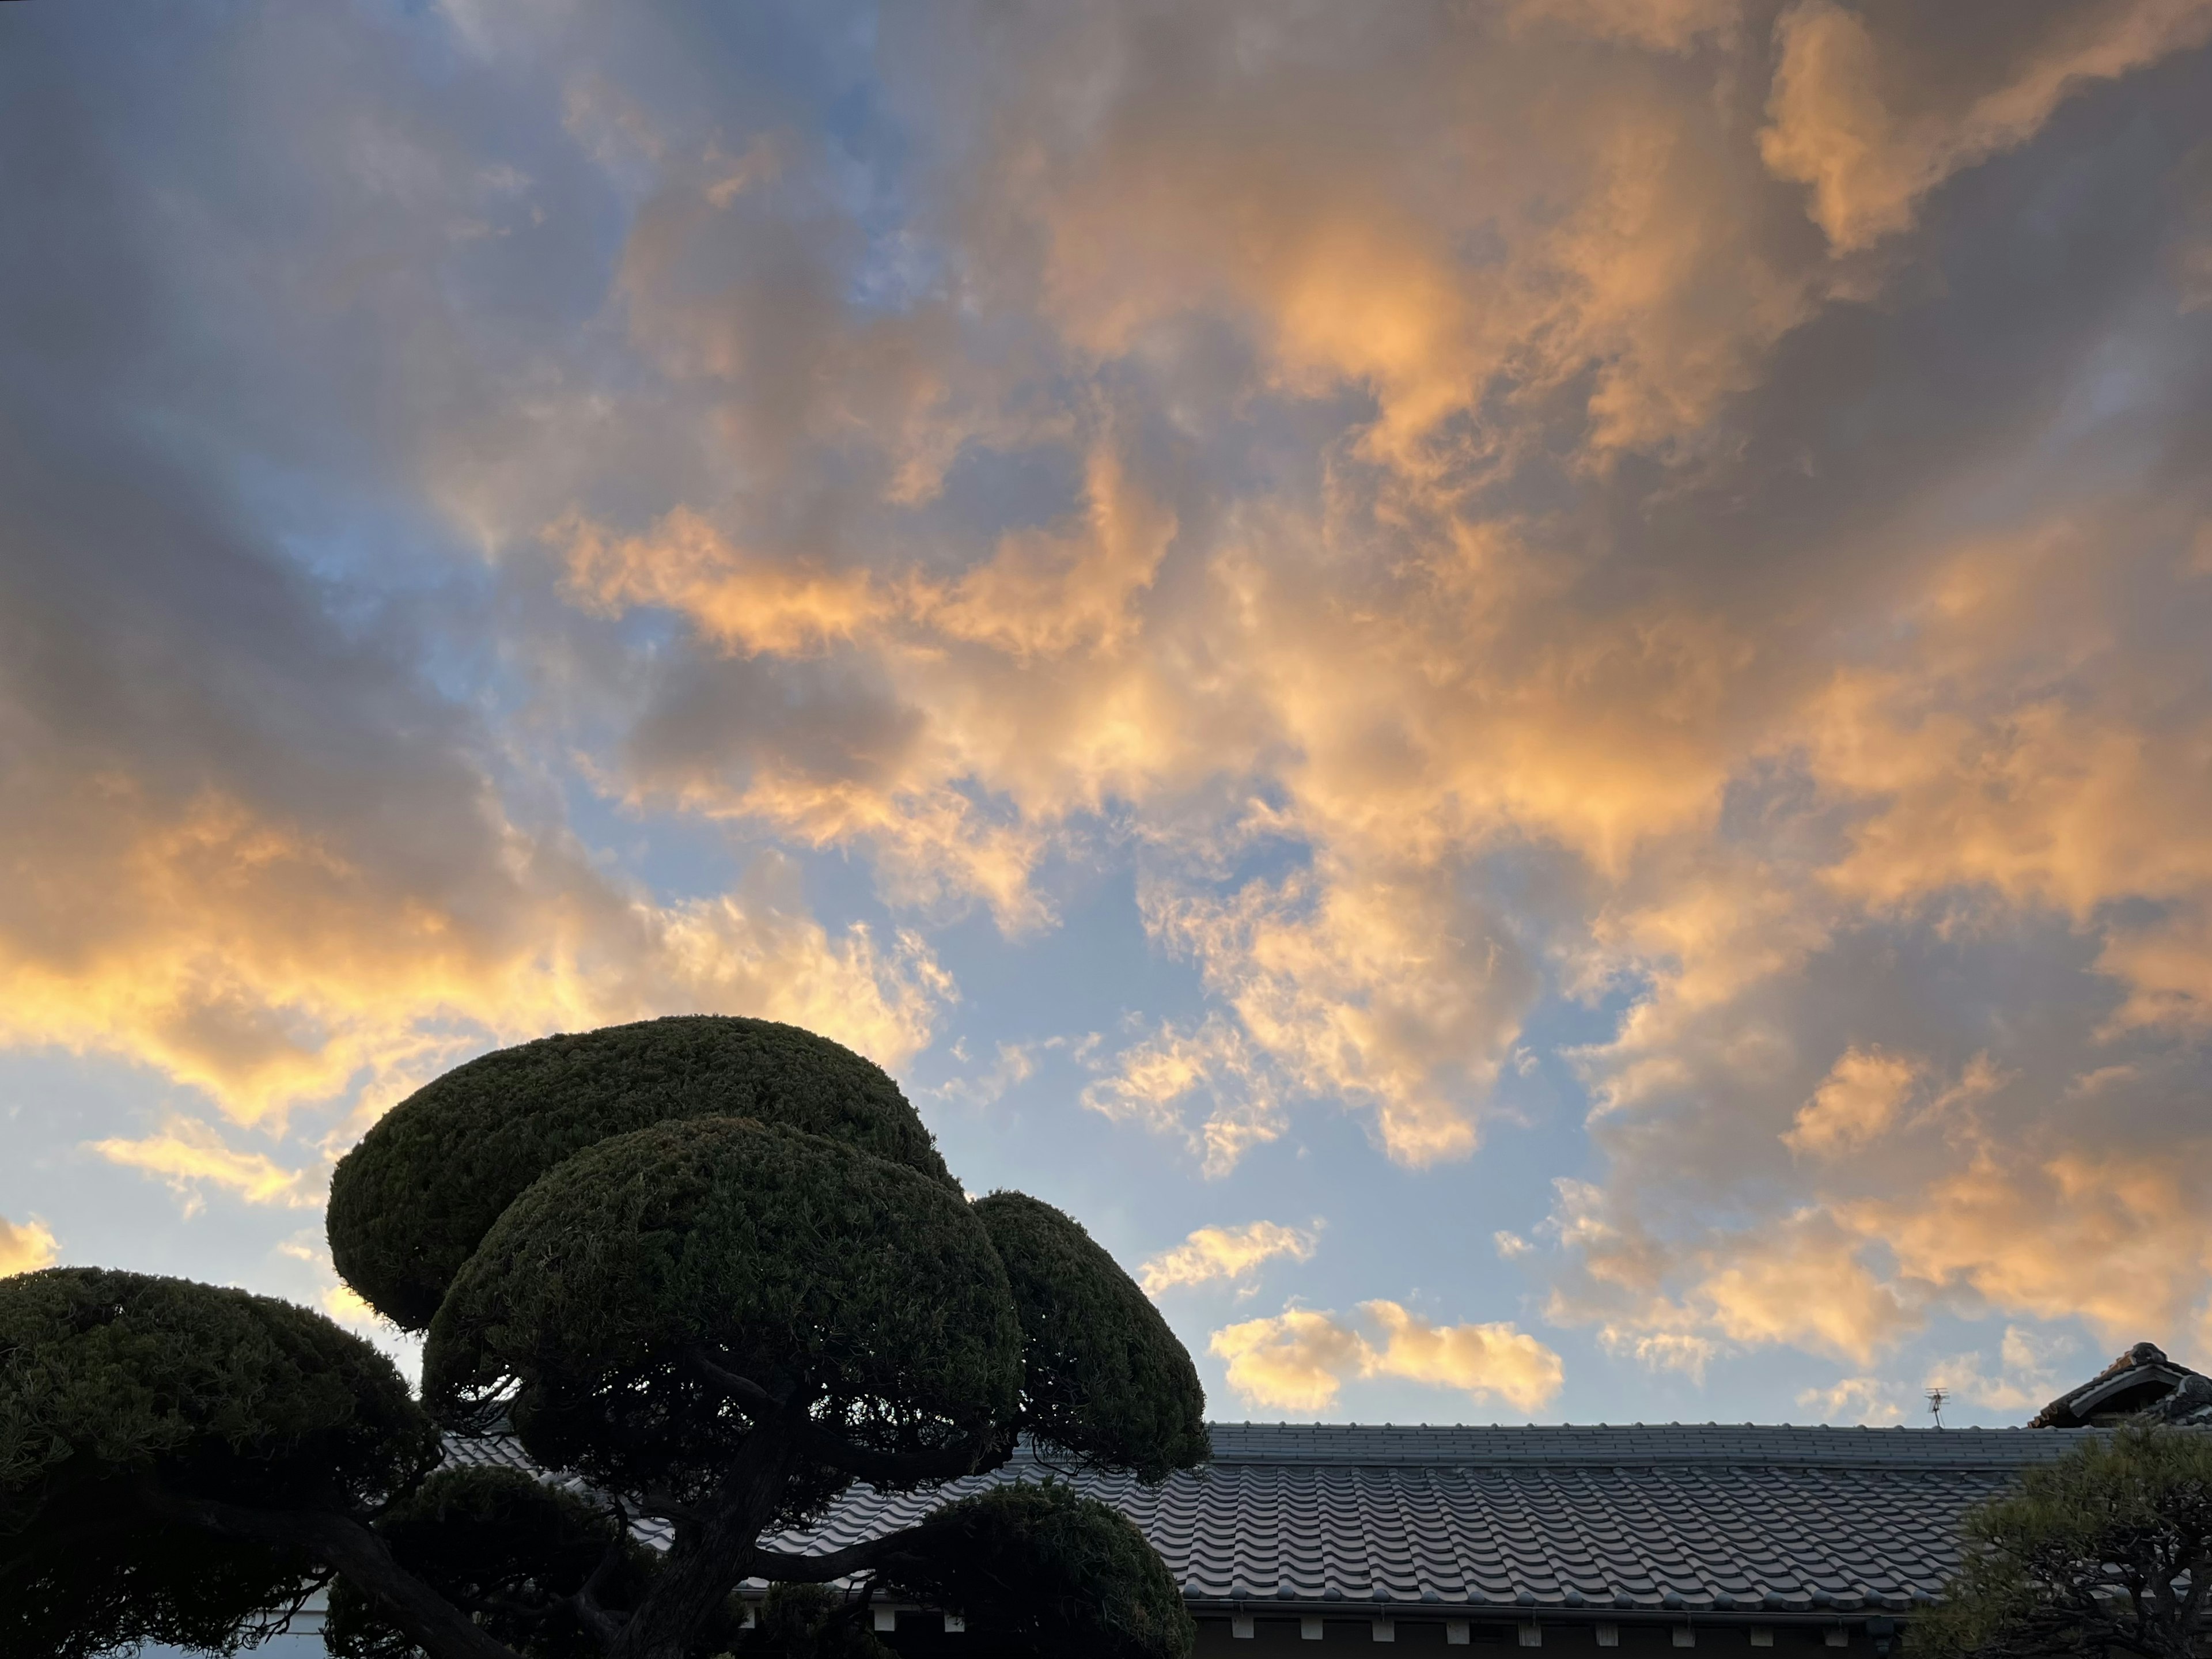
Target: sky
(1519, 689)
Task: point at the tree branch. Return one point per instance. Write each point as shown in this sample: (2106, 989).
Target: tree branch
(758, 1401)
(603, 1625)
(832, 1564)
(704, 1563)
(819, 1445)
(350, 1549)
(659, 1502)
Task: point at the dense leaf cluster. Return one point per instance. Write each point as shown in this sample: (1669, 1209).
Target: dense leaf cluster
(790, 1259)
(810, 1621)
(2107, 1550)
(1039, 1568)
(512, 1547)
(117, 1390)
(1104, 1376)
(413, 1200)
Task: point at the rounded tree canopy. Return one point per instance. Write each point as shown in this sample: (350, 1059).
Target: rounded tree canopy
(1041, 1569)
(412, 1202)
(1103, 1375)
(240, 1397)
(2099, 1552)
(797, 1262)
(112, 1381)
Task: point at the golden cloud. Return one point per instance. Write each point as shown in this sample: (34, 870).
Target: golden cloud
(2110, 1237)
(1859, 1099)
(741, 604)
(1295, 1361)
(1427, 497)
(1299, 1360)
(25, 1246)
(1219, 1253)
(1666, 25)
(268, 964)
(192, 1155)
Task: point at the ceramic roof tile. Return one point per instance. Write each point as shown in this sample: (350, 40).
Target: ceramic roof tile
(1697, 1517)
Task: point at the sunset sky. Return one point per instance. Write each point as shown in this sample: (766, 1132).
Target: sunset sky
(1521, 689)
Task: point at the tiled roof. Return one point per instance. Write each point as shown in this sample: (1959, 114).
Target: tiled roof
(1560, 1523)
(2143, 1384)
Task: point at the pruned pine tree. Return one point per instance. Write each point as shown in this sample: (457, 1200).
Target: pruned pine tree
(2107, 1550)
(708, 1270)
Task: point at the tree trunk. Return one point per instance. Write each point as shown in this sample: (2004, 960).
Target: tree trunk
(706, 1560)
(338, 1541)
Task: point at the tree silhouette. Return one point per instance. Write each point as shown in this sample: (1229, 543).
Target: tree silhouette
(710, 1270)
(2107, 1550)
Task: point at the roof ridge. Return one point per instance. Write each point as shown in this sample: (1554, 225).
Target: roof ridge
(1630, 1444)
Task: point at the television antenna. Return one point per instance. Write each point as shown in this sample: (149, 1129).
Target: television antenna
(1936, 1399)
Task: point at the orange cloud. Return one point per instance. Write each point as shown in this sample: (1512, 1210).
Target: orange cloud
(1870, 163)
(741, 604)
(264, 964)
(1860, 1098)
(1423, 494)
(2113, 1238)
(1044, 593)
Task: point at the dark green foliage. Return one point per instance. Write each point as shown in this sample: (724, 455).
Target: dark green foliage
(1103, 1376)
(498, 1539)
(1043, 1570)
(220, 1393)
(410, 1203)
(790, 1260)
(811, 1621)
(2096, 1554)
(110, 1381)
(713, 1266)
(66, 1593)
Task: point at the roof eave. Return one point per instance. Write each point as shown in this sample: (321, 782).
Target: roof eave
(1493, 1613)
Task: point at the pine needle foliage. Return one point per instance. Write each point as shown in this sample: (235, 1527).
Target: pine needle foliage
(1037, 1569)
(2107, 1550)
(497, 1540)
(115, 1386)
(865, 1286)
(810, 1621)
(707, 1272)
(1103, 1376)
(413, 1200)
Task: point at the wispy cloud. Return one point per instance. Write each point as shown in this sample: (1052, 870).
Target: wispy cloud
(193, 1157)
(1210, 1254)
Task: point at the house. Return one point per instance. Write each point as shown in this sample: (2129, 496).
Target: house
(1565, 1538)
(2142, 1384)
(1571, 1537)
(1574, 1537)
